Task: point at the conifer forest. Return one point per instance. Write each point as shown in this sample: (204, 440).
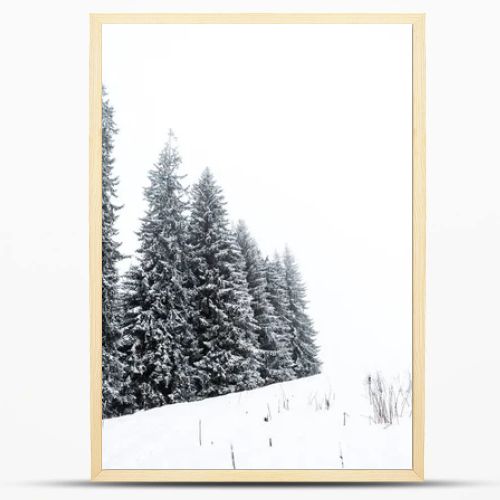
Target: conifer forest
(200, 311)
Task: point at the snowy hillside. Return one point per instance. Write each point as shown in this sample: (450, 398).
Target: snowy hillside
(298, 424)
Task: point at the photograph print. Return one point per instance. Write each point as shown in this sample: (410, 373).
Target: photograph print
(257, 246)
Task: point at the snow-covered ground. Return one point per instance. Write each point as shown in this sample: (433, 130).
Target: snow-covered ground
(293, 425)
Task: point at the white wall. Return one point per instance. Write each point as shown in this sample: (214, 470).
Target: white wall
(44, 438)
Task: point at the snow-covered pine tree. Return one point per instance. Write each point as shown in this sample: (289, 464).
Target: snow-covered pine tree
(112, 367)
(157, 301)
(304, 349)
(135, 324)
(282, 329)
(225, 357)
(273, 354)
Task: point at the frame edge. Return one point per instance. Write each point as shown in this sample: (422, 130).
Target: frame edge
(249, 476)
(257, 17)
(95, 243)
(419, 244)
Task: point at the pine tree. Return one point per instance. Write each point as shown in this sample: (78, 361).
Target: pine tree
(274, 360)
(304, 349)
(158, 323)
(135, 324)
(112, 366)
(282, 329)
(225, 357)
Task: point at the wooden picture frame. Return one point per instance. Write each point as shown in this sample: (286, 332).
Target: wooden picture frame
(416, 473)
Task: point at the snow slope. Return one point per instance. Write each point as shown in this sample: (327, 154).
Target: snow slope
(293, 425)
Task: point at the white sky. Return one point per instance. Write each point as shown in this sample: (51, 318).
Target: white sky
(307, 128)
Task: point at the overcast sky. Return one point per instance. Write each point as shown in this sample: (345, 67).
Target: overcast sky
(307, 128)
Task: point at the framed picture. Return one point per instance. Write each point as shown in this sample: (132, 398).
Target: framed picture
(257, 247)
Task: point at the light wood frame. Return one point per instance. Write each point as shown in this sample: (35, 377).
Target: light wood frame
(416, 473)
